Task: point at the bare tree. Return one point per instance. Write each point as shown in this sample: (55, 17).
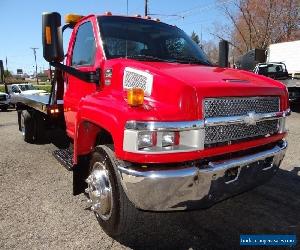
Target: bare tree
(258, 23)
(211, 50)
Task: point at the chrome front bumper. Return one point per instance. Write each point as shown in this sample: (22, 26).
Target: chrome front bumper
(199, 186)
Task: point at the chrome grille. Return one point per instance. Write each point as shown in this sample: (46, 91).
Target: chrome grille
(233, 132)
(231, 107)
(218, 107)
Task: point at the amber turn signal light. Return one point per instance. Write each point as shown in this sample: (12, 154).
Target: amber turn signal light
(48, 35)
(135, 96)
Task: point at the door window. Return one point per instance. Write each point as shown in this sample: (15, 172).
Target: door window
(84, 47)
(14, 89)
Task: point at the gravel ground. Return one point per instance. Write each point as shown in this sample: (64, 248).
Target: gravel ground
(38, 211)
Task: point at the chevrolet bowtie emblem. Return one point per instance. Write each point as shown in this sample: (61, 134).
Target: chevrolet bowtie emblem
(251, 118)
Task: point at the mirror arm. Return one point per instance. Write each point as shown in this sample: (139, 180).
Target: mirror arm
(68, 25)
(92, 77)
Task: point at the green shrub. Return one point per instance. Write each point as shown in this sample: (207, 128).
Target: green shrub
(2, 89)
(47, 88)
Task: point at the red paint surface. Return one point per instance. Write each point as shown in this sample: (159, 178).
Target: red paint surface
(177, 95)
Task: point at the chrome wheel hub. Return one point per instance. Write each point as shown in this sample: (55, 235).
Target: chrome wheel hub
(100, 191)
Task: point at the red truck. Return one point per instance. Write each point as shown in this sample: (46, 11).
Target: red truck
(152, 124)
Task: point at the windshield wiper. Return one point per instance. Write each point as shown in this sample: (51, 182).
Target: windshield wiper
(148, 58)
(191, 60)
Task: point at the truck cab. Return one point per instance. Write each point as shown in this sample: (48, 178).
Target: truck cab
(278, 71)
(274, 70)
(153, 124)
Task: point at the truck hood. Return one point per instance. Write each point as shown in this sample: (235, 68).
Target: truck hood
(181, 88)
(206, 76)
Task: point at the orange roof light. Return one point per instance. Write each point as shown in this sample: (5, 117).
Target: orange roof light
(108, 13)
(148, 17)
(72, 18)
(135, 97)
(138, 15)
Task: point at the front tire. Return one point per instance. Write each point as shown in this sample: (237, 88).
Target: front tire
(114, 212)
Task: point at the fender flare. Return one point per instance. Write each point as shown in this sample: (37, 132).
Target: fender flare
(88, 124)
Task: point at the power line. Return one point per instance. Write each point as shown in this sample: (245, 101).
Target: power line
(168, 15)
(196, 10)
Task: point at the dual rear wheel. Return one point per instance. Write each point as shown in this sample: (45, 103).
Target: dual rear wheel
(32, 126)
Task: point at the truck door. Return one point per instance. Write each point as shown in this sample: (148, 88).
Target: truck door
(82, 51)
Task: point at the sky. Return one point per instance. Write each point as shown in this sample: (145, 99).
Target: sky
(20, 22)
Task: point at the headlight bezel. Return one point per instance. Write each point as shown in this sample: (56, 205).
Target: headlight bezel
(188, 136)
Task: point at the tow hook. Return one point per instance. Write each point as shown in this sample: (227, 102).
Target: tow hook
(231, 174)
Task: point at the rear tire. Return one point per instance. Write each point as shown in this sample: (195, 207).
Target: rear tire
(27, 126)
(32, 126)
(40, 128)
(123, 215)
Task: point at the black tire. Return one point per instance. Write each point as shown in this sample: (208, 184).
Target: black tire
(124, 214)
(19, 112)
(27, 126)
(40, 128)
(4, 108)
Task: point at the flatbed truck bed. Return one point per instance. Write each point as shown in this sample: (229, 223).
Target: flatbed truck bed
(42, 103)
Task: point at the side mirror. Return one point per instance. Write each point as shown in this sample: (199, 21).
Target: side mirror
(223, 53)
(52, 37)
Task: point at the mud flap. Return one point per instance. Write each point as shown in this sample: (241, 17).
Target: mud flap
(80, 173)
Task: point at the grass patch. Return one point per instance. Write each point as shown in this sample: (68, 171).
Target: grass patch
(47, 88)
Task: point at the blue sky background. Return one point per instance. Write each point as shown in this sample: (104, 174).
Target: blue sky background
(21, 22)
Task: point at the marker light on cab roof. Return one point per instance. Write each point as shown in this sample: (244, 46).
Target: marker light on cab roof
(72, 18)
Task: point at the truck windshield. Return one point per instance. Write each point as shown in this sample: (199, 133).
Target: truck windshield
(148, 40)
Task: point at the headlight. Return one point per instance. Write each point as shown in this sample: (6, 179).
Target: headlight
(163, 137)
(146, 139)
(170, 139)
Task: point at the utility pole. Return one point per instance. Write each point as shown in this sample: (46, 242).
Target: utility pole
(146, 7)
(36, 67)
(6, 63)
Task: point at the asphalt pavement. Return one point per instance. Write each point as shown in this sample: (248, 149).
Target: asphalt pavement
(38, 210)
